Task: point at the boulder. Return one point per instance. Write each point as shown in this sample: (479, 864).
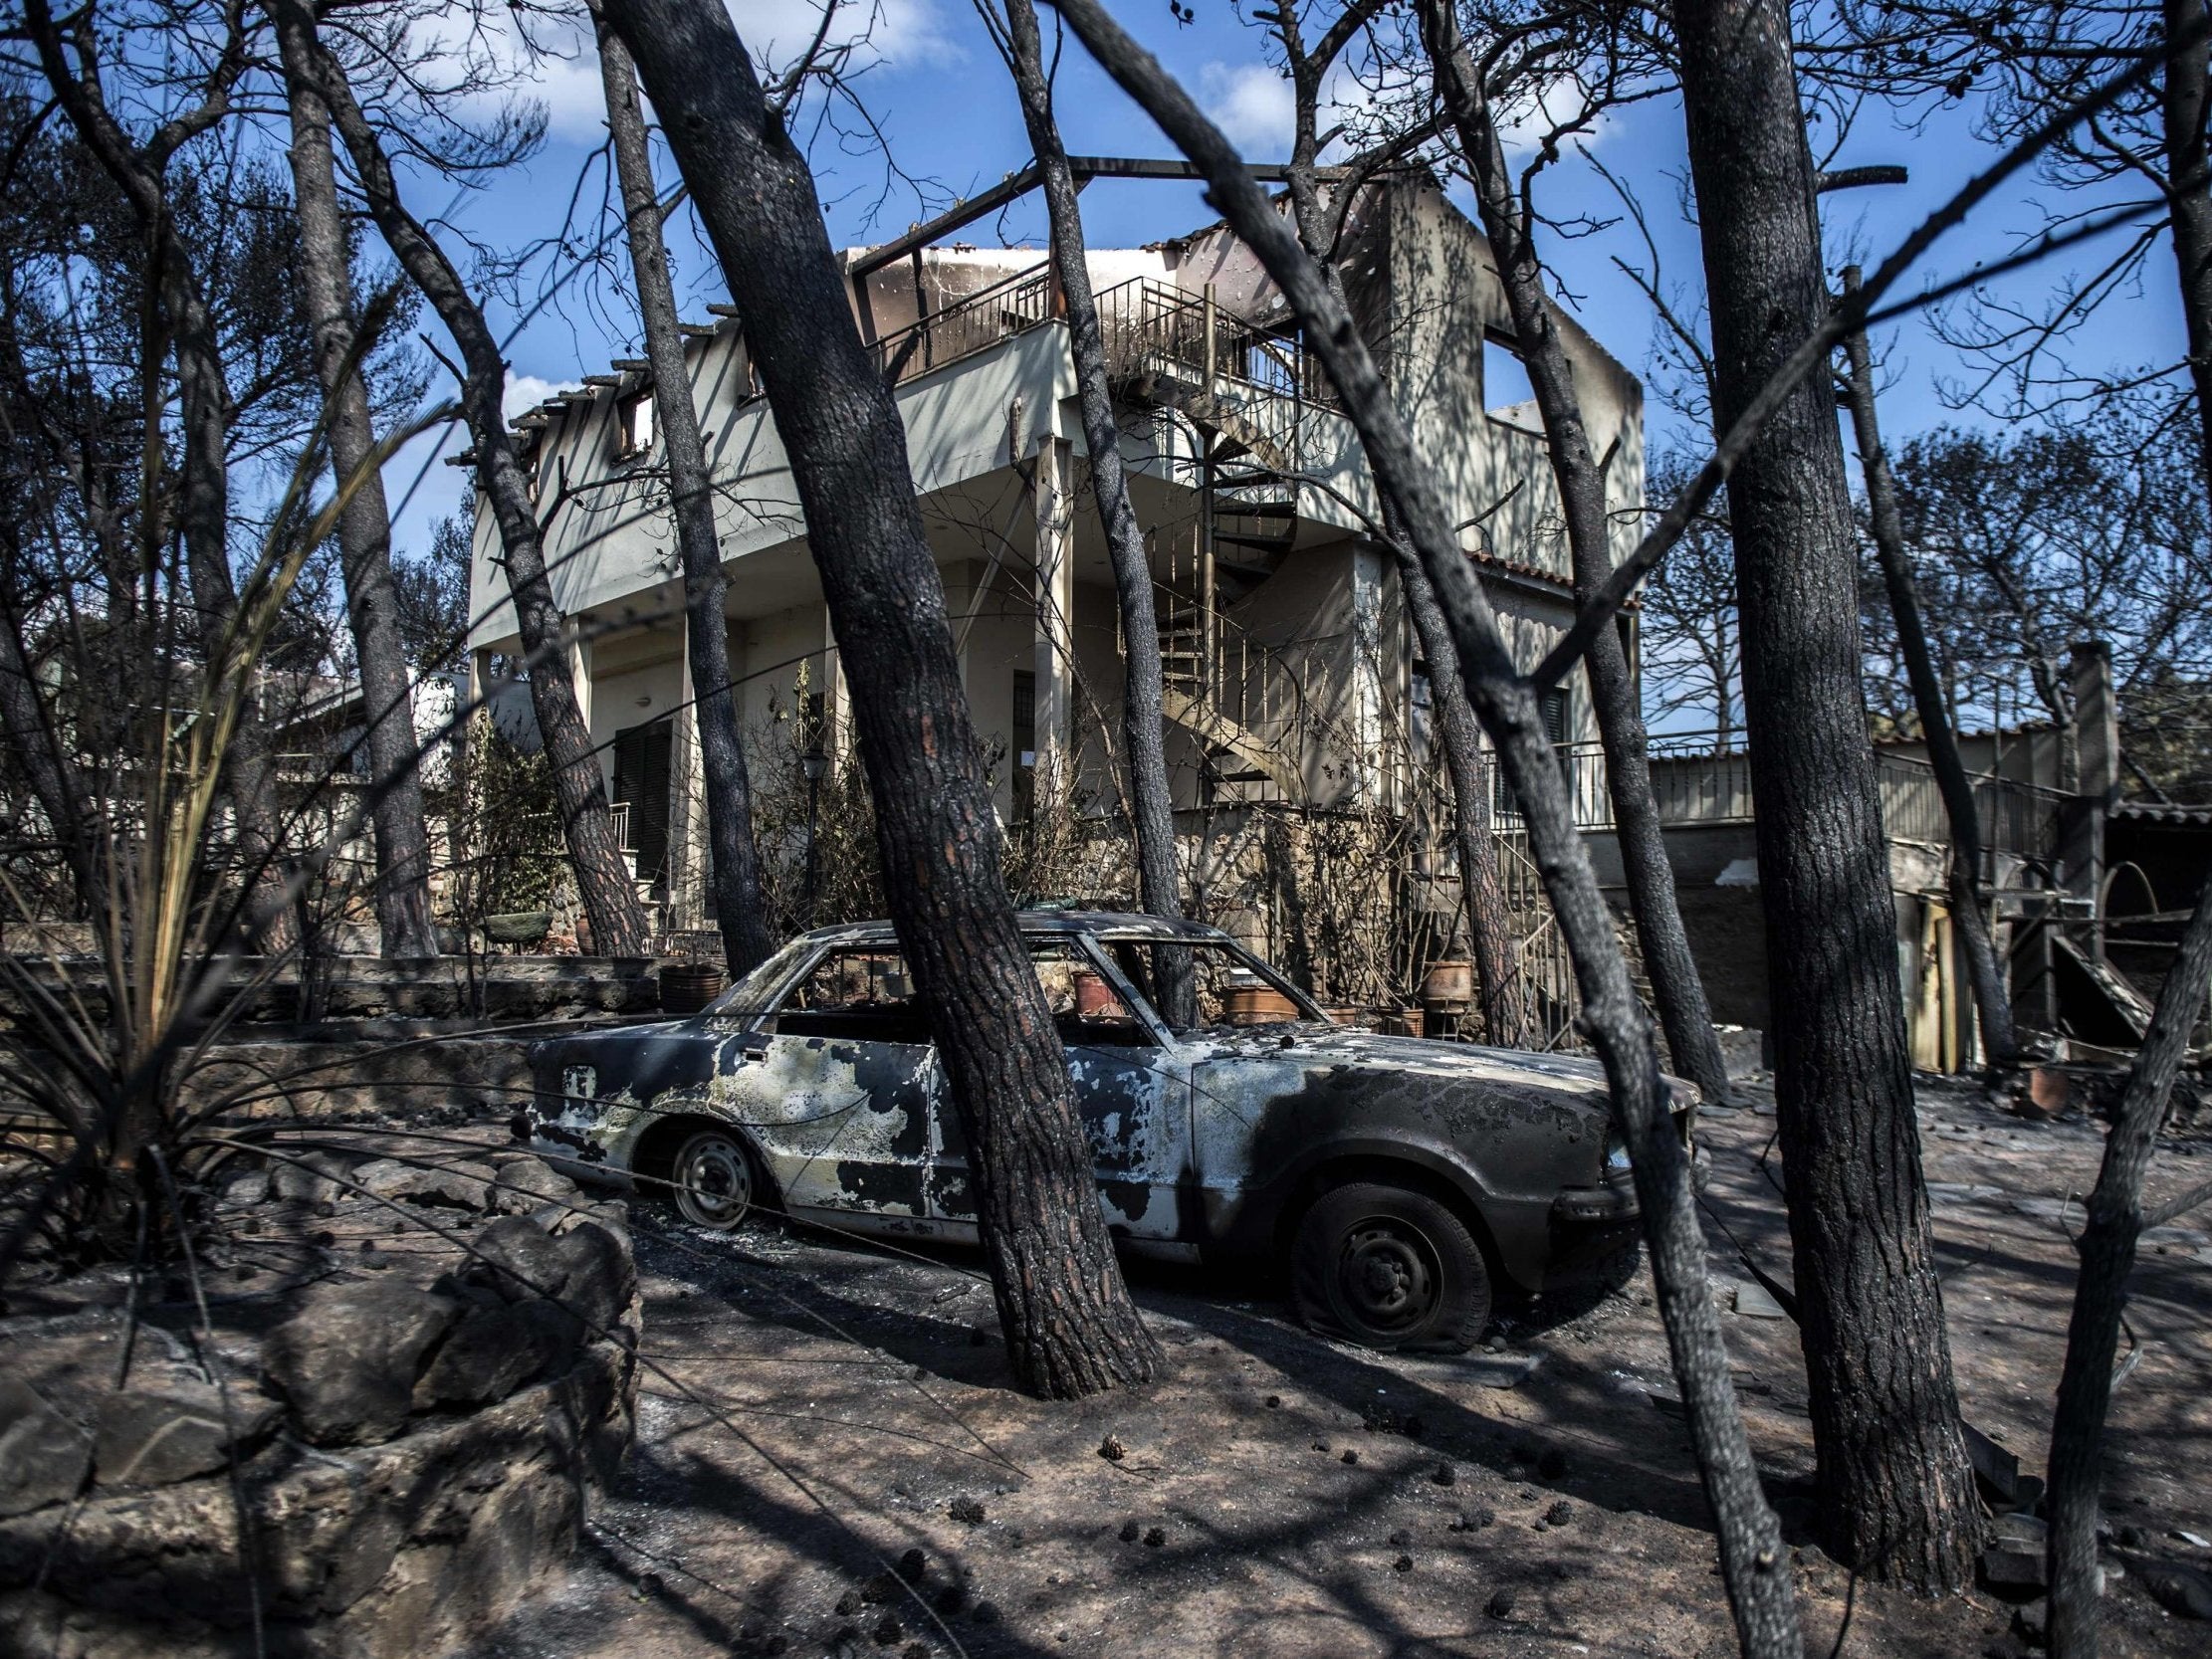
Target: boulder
(518, 1258)
(347, 1362)
(42, 1455)
(2184, 1591)
(311, 1179)
(157, 1433)
(462, 1185)
(493, 1351)
(525, 1184)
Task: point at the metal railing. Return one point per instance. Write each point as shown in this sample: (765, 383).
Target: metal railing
(970, 324)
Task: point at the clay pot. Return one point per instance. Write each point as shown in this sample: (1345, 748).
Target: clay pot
(687, 987)
(1403, 1022)
(1447, 985)
(1255, 1005)
(1093, 996)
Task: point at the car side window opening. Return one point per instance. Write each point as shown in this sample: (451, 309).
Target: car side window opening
(1086, 1005)
(1231, 987)
(861, 992)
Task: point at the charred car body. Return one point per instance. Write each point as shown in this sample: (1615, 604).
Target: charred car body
(1401, 1178)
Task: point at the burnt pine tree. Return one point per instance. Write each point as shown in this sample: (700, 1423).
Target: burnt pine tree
(1150, 805)
(179, 322)
(1069, 1324)
(1969, 898)
(1897, 1498)
(1752, 1563)
(363, 526)
(1491, 934)
(740, 910)
(2116, 1220)
(604, 880)
(1676, 985)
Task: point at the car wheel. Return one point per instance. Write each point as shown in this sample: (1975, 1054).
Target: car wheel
(1389, 1268)
(713, 1180)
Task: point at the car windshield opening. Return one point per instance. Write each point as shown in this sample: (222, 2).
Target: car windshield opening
(1227, 984)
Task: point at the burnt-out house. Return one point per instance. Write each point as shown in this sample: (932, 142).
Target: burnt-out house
(1296, 700)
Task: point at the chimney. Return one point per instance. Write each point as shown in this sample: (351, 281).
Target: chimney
(2095, 719)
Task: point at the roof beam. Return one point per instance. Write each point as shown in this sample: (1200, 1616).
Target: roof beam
(1016, 185)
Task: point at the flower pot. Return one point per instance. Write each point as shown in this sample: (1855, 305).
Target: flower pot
(688, 987)
(1447, 985)
(1255, 1005)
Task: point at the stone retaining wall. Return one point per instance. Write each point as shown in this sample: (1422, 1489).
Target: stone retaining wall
(415, 1434)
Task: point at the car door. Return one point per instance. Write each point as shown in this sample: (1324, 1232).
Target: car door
(1132, 1097)
(845, 1059)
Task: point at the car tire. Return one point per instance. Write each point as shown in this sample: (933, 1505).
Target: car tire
(713, 1183)
(1389, 1268)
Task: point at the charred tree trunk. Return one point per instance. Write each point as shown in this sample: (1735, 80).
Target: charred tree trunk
(1753, 1562)
(1071, 1326)
(741, 909)
(1895, 1493)
(1150, 805)
(2115, 1221)
(2185, 95)
(603, 882)
(1969, 898)
(201, 512)
(48, 768)
(1675, 983)
(364, 527)
(1490, 939)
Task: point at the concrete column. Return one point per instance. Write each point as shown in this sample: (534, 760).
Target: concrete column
(1368, 669)
(1055, 603)
(579, 678)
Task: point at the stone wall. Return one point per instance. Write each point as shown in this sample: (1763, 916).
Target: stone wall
(415, 1432)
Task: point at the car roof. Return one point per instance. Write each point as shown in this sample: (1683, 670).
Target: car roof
(1113, 924)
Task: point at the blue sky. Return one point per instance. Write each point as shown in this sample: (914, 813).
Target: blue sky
(934, 87)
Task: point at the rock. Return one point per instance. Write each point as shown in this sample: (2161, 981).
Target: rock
(42, 1455)
(347, 1362)
(460, 1185)
(2184, 1591)
(155, 1435)
(518, 1258)
(243, 1191)
(598, 1277)
(492, 1351)
(1560, 1513)
(309, 1179)
(526, 1184)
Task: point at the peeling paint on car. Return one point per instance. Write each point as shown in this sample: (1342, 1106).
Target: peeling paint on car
(1208, 1139)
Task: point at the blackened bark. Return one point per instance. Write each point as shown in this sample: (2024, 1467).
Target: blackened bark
(1752, 1562)
(1491, 941)
(1071, 1326)
(1895, 1496)
(1489, 922)
(2185, 93)
(364, 526)
(1676, 985)
(603, 882)
(741, 909)
(2115, 1221)
(1969, 897)
(1150, 805)
(46, 763)
(201, 512)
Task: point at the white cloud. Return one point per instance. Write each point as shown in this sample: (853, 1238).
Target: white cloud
(525, 392)
(1252, 104)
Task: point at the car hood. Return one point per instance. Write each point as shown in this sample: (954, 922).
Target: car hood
(1345, 1045)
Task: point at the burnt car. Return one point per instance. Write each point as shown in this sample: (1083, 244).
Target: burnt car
(1401, 1179)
